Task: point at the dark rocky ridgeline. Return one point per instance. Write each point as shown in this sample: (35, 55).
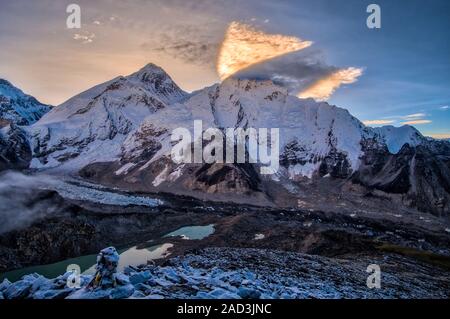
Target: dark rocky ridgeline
(421, 174)
(335, 163)
(226, 178)
(15, 152)
(215, 178)
(220, 182)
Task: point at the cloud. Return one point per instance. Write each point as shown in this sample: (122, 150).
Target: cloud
(445, 107)
(322, 89)
(303, 72)
(18, 205)
(416, 122)
(413, 116)
(244, 46)
(440, 136)
(190, 52)
(410, 119)
(295, 71)
(247, 52)
(186, 43)
(85, 38)
(378, 122)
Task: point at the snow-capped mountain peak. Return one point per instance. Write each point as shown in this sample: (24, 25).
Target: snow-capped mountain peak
(157, 81)
(18, 107)
(396, 137)
(7, 89)
(94, 123)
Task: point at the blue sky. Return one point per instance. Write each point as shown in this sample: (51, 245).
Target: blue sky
(406, 63)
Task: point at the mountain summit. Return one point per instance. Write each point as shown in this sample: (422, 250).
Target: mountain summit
(92, 125)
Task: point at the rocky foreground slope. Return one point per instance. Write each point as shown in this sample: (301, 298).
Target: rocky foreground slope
(225, 273)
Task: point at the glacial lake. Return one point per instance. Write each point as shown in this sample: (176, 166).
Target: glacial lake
(128, 256)
(193, 232)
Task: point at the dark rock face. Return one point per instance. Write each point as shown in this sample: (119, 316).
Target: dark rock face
(289, 154)
(336, 165)
(226, 178)
(421, 174)
(382, 170)
(15, 152)
(430, 180)
(41, 150)
(145, 144)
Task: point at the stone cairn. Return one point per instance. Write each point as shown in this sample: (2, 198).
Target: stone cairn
(106, 268)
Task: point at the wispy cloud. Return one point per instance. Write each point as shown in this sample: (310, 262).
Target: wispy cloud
(188, 51)
(440, 135)
(445, 107)
(186, 43)
(410, 119)
(378, 122)
(413, 116)
(416, 122)
(84, 38)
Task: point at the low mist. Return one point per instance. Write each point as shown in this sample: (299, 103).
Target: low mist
(21, 201)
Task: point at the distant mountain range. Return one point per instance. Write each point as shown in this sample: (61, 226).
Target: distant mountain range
(119, 133)
(18, 107)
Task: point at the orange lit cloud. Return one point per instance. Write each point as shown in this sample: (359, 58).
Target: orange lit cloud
(440, 136)
(416, 122)
(245, 46)
(378, 122)
(322, 89)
